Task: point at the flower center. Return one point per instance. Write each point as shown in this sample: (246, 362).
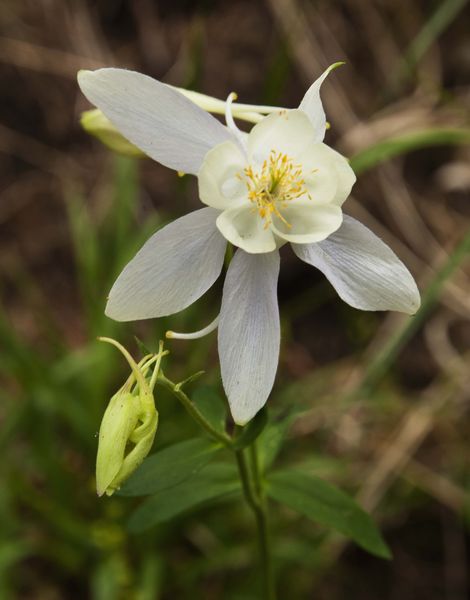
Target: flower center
(270, 189)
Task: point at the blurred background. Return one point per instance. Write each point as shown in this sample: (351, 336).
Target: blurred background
(382, 399)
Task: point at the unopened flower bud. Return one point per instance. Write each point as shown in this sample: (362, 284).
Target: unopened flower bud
(95, 123)
(129, 424)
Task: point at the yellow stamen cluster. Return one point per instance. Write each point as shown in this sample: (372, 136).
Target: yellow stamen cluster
(278, 182)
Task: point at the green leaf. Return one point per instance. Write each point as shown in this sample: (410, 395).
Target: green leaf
(216, 480)
(271, 438)
(211, 406)
(251, 431)
(142, 347)
(181, 384)
(445, 13)
(325, 504)
(385, 149)
(169, 467)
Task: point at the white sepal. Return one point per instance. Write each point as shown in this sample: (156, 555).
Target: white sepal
(364, 271)
(154, 117)
(171, 271)
(312, 105)
(249, 332)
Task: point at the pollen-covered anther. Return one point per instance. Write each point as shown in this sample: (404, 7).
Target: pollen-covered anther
(274, 185)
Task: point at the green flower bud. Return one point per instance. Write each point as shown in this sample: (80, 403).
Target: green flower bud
(129, 424)
(95, 123)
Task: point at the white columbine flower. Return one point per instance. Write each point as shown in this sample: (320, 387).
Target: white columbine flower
(280, 183)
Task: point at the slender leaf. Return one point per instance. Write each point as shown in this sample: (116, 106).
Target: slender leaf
(86, 253)
(395, 146)
(325, 504)
(444, 15)
(216, 480)
(169, 467)
(211, 406)
(122, 219)
(271, 438)
(143, 349)
(251, 431)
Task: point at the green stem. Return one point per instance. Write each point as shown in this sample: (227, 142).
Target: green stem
(254, 496)
(251, 482)
(176, 390)
(255, 469)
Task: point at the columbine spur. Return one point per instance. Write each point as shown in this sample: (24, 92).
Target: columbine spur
(280, 183)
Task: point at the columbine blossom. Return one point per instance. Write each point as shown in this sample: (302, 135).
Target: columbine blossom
(277, 184)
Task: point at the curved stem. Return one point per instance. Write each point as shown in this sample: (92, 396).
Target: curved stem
(176, 390)
(254, 496)
(133, 365)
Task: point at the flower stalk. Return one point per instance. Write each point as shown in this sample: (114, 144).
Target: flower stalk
(254, 495)
(250, 478)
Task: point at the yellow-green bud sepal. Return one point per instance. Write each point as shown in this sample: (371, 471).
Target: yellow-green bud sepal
(95, 123)
(129, 424)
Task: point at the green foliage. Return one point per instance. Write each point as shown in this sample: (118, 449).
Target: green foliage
(214, 481)
(170, 467)
(445, 13)
(325, 504)
(252, 430)
(52, 402)
(210, 404)
(271, 439)
(402, 144)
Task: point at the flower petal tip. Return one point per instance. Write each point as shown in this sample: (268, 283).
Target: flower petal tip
(111, 312)
(245, 415)
(410, 302)
(242, 415)
(115, 310)
(82, 75)
(412, 299)
(415, 305)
